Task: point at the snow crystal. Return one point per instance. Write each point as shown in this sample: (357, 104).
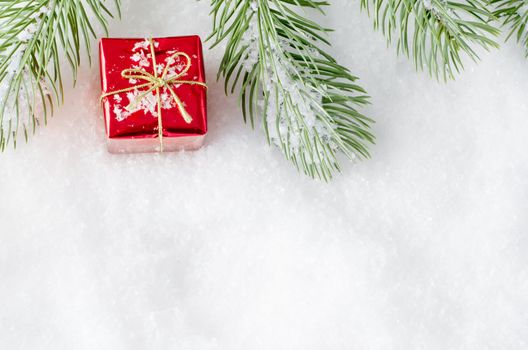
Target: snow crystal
(44, 11)
(251, 40)
(522, 10)
(120, 114)
(141, 58)
(143, 45)
(25, 35)
(253, 6)
(428, 4)
(159, 68)
(136, 57)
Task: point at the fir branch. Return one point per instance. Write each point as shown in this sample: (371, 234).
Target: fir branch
(34, 35)
(435, 32)
(305, 100)
(514, 13)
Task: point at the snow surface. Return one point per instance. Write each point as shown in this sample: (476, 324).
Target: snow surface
(423, 247)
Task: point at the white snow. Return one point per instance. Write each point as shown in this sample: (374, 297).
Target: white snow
(422, 247)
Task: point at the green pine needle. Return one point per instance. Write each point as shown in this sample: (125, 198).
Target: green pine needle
(514, 13)
(34, 35)
(435, 32)
(305, 101)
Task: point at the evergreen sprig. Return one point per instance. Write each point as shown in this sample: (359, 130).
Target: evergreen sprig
(304, 99)
(435, 32)
(514, 13)
(34, 35)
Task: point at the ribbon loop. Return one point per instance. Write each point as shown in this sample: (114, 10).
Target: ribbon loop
(155, 82)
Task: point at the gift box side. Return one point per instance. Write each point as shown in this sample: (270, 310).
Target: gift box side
(102, 68)
(152, 145)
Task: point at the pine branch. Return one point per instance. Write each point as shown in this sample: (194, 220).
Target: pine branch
(435, 32)
(514, 13)
(34, 35)
(305, 100)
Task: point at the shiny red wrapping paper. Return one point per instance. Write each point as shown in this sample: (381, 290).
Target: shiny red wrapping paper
(138, 129)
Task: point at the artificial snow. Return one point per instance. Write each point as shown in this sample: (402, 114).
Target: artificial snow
(422, 247)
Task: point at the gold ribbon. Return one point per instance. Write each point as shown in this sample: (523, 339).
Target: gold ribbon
(155, 82)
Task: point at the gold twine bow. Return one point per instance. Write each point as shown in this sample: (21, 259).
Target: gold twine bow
(155, 82)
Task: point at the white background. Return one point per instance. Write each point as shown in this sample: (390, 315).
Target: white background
(423, 247)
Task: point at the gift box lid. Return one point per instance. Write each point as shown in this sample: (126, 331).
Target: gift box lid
(119, 54)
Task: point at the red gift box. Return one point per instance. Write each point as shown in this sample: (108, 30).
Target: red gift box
(153, 94)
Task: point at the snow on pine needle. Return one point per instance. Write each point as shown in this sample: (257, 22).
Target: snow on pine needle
(514, 14)
(304, 100)
(437, 34)
(34, 34)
